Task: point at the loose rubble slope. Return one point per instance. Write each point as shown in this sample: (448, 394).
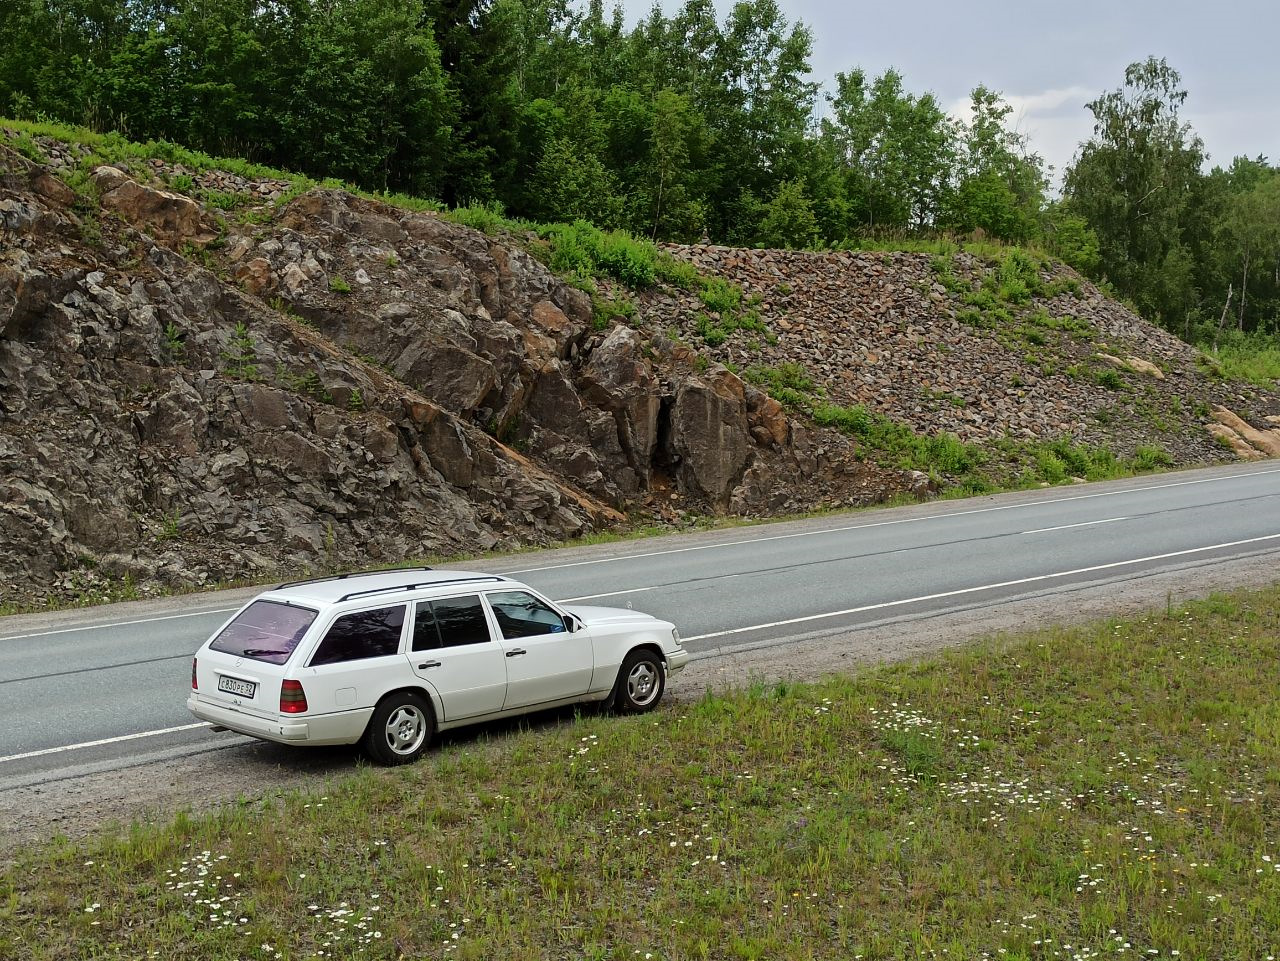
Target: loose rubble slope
(929, 341)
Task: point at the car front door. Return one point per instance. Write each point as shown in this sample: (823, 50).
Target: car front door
(455, 652)
(545, 661)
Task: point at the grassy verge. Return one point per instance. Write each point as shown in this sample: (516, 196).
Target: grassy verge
(1110, 791)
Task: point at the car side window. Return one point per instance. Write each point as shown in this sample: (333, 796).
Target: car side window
(523, 615)
(426, 632)
(452, 622)
(364, 634)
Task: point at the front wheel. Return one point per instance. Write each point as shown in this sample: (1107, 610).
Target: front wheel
(641, 681)
(400, 729)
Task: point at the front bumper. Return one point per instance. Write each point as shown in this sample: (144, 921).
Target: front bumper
(676, 661)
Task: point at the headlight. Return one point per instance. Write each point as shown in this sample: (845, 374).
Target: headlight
(675, 636)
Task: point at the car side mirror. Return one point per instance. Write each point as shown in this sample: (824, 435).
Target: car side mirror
(572, 624)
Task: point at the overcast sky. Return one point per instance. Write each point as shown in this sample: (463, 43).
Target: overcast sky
(1049, 59)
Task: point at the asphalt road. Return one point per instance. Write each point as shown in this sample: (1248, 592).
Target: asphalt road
(84, 691)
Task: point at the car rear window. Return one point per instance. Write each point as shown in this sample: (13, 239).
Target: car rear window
(265, 631)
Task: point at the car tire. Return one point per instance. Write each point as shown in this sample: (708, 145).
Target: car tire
(641, 681)
(400, 730)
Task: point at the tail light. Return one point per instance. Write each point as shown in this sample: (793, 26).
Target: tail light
(194, 685)
(293, 699)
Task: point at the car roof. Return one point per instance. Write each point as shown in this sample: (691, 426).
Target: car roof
(376, 584)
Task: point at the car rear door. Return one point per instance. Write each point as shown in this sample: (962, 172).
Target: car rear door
(357, 660)
(454, 650)
(545, 661)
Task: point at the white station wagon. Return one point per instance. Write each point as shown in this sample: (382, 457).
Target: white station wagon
(388, 658)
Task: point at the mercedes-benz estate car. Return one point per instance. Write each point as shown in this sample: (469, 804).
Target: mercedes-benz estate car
(385, 659)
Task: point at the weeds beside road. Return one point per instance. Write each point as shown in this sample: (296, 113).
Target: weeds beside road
(1091, 792)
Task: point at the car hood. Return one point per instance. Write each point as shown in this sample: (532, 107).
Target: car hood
(600, 616)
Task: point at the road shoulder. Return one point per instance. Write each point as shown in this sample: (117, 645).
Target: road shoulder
(155, 790)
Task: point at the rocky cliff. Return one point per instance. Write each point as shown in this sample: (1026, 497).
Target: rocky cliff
(185, 399)
(189, 396)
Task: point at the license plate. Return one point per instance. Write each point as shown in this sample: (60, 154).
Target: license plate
(233, 685)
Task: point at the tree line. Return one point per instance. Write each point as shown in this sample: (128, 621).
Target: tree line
(681, 127)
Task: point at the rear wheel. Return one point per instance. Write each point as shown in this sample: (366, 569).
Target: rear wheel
(400, 729)
(641, 681)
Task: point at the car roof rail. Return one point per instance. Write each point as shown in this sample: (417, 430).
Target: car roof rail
(343, 577)
(411, 587)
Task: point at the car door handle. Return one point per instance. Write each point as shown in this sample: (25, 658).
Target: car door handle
(517, 652)
(426, 664)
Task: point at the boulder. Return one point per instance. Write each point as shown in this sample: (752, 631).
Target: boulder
(19, 173)
(456, 377)
(177, 420)
(769, 421)
(1135, 364)
(170, 218)
(263, 407)
(1266, 441)
(617, 377)
(556, 326)
(255, 276)
(1233, 441)
(554, 402)
(709, 439)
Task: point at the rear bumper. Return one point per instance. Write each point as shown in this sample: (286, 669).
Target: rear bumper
(342, 727)
(676, 661)
(285, 732)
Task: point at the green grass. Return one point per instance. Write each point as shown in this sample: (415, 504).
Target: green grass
(1057, 461)
(111, 148)
(729, 309)
(606, 308)
(1001, 300)
(786, 376)
(898, 445)
(1254, 358)
(1108, 791)
(486, 218)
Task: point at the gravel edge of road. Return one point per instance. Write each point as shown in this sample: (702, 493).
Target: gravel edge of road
(78, 806)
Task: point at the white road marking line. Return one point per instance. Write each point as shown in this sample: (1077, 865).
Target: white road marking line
(975, 590)
(1071, 527)
(741, 630)
(591, 597)
(904, 520)
(99, 627)
(105, 740)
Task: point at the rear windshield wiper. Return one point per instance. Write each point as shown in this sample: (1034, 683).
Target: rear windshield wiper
(259, 651)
